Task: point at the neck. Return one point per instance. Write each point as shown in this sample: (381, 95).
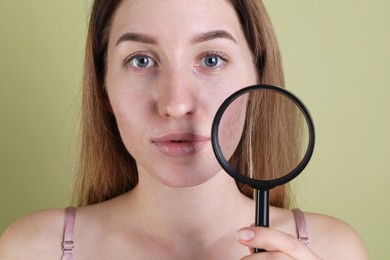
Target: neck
(204, 214)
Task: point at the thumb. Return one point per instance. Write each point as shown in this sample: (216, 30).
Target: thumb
(245, 235)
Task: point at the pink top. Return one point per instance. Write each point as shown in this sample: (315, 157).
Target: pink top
(300, 223)
(70, 215)
(67, 245)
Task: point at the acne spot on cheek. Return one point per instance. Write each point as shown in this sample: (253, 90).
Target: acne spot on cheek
(231, 126)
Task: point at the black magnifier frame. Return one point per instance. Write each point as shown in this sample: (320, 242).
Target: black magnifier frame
(262, 187)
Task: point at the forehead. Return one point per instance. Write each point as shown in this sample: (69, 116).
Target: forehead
(170, 18)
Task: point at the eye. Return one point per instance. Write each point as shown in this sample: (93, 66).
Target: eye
(139, 60)
(213, 60)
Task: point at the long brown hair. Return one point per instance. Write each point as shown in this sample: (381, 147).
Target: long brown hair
(106, 169)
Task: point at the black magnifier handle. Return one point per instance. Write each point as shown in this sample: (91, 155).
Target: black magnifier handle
(262, 211)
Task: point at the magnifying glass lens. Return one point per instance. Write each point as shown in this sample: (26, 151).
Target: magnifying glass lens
(263, 135)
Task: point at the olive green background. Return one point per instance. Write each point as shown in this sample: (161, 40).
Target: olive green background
(337, 60)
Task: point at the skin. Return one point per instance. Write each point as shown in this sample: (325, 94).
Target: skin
(184, 206)
(180, 92)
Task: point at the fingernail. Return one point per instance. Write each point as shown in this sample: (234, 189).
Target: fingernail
(245, 234)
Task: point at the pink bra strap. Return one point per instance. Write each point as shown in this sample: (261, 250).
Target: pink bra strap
(301, 226)
(67, 245)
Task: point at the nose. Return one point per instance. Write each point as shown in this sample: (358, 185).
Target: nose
(176, 96)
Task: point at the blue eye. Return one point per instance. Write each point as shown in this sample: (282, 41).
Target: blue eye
(141, 61)
(212, 60)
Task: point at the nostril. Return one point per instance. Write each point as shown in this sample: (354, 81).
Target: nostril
(178, 109)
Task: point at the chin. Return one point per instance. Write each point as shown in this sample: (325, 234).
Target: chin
(186, 181)
(183, 177)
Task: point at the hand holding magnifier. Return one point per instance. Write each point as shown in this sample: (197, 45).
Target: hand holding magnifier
(280, 137)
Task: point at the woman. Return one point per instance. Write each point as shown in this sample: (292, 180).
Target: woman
(149, 186)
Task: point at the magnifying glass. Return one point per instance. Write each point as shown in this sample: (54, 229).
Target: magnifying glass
(263, 137)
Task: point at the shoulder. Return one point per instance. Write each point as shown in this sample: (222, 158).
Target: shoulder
(334, 239)
(35, 236)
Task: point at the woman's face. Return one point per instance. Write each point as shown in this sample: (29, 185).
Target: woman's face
(170, 66)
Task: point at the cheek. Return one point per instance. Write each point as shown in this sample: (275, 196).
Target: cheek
(128, 114)
(231, 126)
(125, 121)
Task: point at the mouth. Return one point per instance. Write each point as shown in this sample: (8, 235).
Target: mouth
(180, 144)
(179, 141)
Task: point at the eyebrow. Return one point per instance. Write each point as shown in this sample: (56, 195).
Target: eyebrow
(207, 36)
(136, 37)
(211, 35)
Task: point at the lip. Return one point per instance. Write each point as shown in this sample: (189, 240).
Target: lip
(180, 144)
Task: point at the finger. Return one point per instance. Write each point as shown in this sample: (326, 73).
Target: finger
(274, 241)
